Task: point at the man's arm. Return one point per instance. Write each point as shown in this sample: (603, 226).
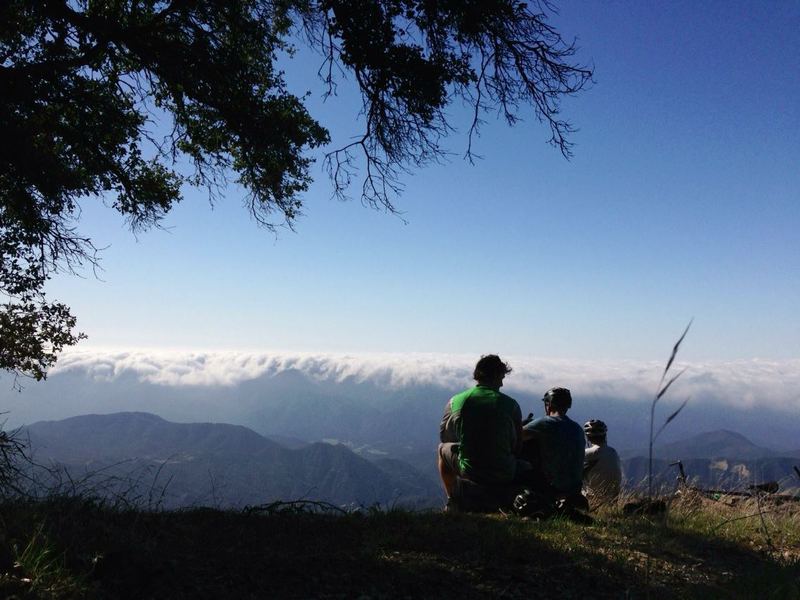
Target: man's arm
(517, 429)
(531, 429)
(447, 428)
(590, 460)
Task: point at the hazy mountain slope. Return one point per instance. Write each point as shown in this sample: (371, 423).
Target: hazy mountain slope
(712, 444)
(140, 435)
(227, 465)
(728, 474)
(719, 459)
(287, 441)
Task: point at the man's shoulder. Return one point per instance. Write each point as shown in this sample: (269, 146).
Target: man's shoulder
(592, 450)
(567, 424)
(465, 392)
(539, 424)
(604, 452)
(560, 423)
(458, 400)
(506, 398)
(479, 390)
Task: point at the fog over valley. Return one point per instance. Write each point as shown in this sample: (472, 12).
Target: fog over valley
(392, 403)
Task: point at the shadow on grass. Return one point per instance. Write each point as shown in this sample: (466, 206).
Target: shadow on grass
(693, 564)
(212, 554)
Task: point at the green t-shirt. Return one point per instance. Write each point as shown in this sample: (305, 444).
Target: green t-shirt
(485, 422)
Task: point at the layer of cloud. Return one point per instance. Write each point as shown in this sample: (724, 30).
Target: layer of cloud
(743, 383)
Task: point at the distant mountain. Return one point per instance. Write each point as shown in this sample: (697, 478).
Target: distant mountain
(126, 435)
(719, 459)
(722, 473)
(225, 465)
(713, 444)
(288, 441)
(137, 455)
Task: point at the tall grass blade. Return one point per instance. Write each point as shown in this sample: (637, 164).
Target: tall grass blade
(675, 349)
(670, 418)
(669, 383)
(661, 391)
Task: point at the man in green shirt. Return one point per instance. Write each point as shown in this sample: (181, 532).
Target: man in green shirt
(481, 431)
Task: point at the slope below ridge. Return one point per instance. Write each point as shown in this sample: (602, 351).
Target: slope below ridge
(140, 435)
(721, 443)
(221, 464)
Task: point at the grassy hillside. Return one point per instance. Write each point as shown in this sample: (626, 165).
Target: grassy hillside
(73, 548)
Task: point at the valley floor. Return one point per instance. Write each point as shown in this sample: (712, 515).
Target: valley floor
(73, 548)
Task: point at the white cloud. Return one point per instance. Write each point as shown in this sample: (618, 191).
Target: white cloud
(743, 383)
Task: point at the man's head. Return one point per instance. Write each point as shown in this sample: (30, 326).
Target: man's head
(595, 431)
(557, 400)
(490, 371)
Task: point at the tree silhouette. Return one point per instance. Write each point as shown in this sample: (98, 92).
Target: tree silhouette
(82, 82)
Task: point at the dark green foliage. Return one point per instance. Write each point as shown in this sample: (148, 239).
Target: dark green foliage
(13, 457)
(81, 82)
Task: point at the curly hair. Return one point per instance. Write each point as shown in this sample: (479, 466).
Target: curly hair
(490, 367)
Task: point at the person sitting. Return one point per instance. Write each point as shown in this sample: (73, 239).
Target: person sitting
(554, 445)
(481, 431)
(602, 473)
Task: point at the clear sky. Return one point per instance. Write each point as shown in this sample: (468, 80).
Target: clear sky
(681, 201)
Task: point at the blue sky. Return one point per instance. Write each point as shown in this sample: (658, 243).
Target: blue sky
(681, 201)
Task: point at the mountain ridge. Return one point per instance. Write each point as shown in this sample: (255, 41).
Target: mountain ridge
(234, 463)
(718, 443)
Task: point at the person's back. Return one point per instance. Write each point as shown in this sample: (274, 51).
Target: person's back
(485, 420)
(602, 470)
(561, 444)
(602, 473)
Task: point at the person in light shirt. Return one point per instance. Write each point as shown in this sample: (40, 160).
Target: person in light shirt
(602, 473)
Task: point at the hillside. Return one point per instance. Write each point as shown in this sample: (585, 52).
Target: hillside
(69, 548)
(719, 459)
(726, 474)
(126, 435)
(175, 465)
(721, 443)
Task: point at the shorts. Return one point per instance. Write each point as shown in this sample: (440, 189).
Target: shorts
(448, 453)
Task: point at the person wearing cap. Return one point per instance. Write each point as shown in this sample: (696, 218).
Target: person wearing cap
(481, 430)
(554, 445)
(602, 473)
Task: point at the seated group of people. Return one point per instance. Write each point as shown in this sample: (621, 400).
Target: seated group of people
(485, 440)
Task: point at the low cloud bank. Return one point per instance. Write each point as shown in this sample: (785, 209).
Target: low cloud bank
(742, 384)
